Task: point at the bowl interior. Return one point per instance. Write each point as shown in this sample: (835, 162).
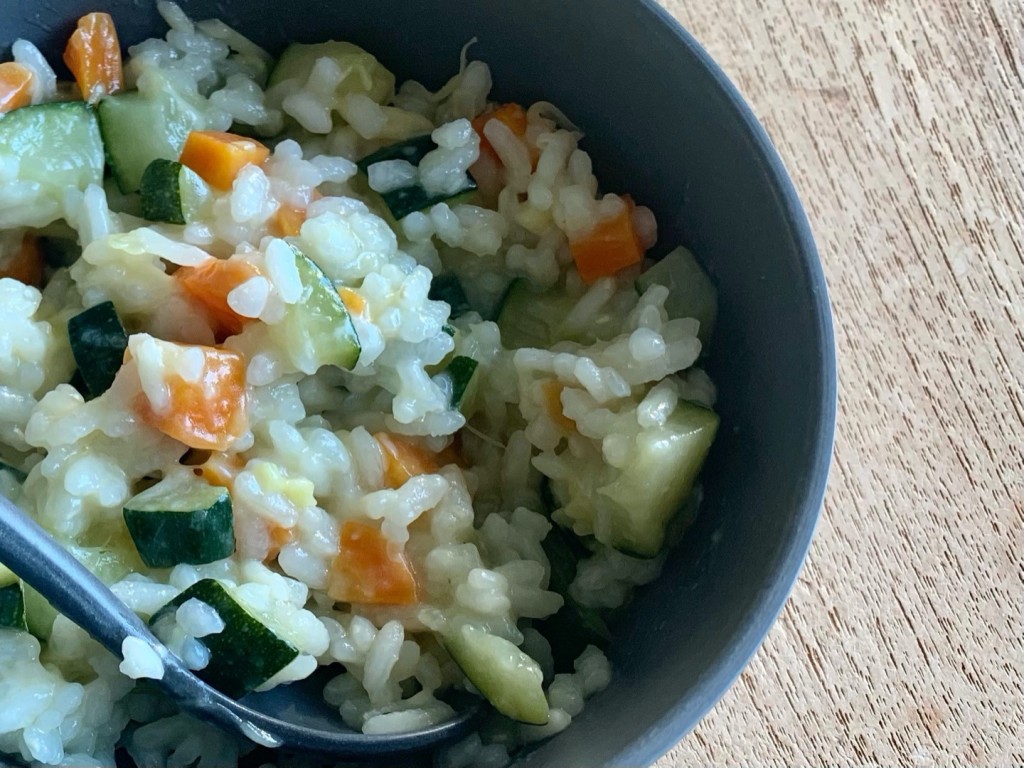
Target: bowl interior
(663, 123)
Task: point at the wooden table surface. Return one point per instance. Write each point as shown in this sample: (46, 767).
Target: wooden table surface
(902, 123)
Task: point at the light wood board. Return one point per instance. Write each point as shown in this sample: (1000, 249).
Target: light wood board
(902, 123)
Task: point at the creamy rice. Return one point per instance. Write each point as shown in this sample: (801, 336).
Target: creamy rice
(307, 459)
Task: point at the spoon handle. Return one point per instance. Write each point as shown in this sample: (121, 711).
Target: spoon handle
(68, 585)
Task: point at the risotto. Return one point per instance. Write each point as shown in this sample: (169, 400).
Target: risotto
(318, 370)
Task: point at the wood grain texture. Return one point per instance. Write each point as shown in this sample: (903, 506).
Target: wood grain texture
(902, 123)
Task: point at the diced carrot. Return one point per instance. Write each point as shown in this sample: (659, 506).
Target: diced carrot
(512, 115)
(279, 536)
(404, 459)
(287, 220)
(552, 391)
(208, 412)
(93, 55)
(26, 264)
(15, 86)
(221, 469)
(218, 157)
(370, 569)
(209, 285)
(610, 246)
(353, 301)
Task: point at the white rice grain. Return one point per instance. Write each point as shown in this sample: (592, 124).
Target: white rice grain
(249, 298)
(281, 268)
(389, 175)
(199, 619)
(140, 660)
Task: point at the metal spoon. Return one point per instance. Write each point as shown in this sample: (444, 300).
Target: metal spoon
(290, 716)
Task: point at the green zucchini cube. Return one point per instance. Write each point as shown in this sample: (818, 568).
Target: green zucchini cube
(181, 519)
(246, 653)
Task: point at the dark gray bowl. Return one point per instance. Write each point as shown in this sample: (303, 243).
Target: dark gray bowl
(664, 123)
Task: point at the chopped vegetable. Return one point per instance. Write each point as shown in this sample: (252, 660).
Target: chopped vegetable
(98, 341)
(93, 55)
(287, 221)
(411, 150)
(512, 115)
(369, 569)
(58, 147)
(690, 291)
(507, 677)
(317, 329)
(530, 319)
(279, 536)
(171, 192)
(631, 509)
(361, 73)
(209, 285)
(405, 458)
(181, 519)
(461, 379)
(168, 117)
(15, 86)
(611, 246)
(353, 301)
(404, 200)
(205, 412)
(25, 264)
(218, 157)
(12, 607)
(246, 653)
(446, 287)
(552, 392)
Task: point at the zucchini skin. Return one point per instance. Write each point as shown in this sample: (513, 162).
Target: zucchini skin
(246, 653)
(98, 341)
(166, 539)
(12, 607)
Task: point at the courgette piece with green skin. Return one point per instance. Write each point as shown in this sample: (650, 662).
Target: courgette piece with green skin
(363, 74)
(58, 147)
(690, 291)
(318, 328)
(461, 379)
(12, 607)
(246, 653)
(632, 511)
(446, 287)
(527, 318)
(181, 519)
(506, 676)
(411, 150)
(139, 128)
(98, 341)
(172, 192)
(405, 200)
